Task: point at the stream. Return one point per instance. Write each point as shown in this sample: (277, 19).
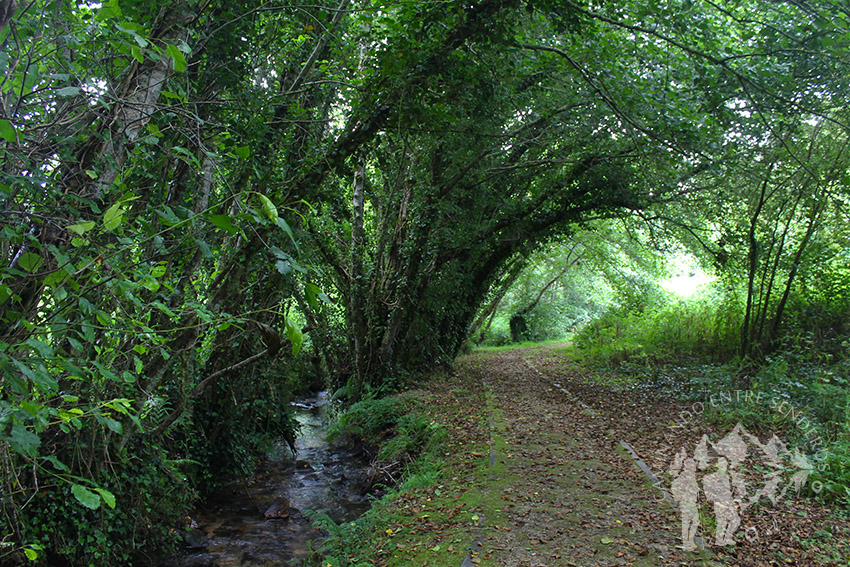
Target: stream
(232, 528)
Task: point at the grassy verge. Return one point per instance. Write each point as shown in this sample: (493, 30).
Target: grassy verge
(523, 344)
(805, 405)
(449, 490)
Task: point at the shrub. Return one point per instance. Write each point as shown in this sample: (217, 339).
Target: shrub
(152, 497)
(370, 422)
(704, 326)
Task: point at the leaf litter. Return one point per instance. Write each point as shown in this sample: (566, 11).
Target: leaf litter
(536, 476)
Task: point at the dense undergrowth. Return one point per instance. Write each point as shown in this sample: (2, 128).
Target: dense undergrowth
(689, 348)
(146, 488)
(405, 446)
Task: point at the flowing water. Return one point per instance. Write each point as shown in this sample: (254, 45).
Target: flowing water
(232, 528)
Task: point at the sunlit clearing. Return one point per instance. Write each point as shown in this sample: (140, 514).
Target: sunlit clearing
(687, 277)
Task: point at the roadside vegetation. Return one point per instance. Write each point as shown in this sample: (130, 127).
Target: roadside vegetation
(406, 447)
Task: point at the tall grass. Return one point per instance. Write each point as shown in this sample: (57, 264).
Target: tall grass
(705, 326)
(810, 372)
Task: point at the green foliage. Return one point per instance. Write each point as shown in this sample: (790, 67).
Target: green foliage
(833, 472)
(232, 431)
(704, 326)
(372, 421)
(177, 200)
(123, 286)
(402, 433)
(524, 344)
(671, 346)
(151, 496)
(571, 281)
(809, 407)
(414, 433)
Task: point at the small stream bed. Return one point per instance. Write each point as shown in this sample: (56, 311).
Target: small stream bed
(232, 528)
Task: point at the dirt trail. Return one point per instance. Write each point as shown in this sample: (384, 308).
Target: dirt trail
(540, 477)
(573, 496)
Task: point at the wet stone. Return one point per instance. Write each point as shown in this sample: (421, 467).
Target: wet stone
(250, 523)
(279, 510)
(194, 539)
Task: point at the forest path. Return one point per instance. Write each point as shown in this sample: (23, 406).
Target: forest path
(570, 493)
(549, 463)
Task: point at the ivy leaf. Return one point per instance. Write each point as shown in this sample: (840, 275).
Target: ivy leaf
(42, 347)
(113, 425)
(105, 372)
(168, 216)
(243, 152)
(57, 464)
(224, 223)
(113, 216)
(158, 271)
(67, 92)
(269, 208)
(5, 293)
(313, 292)
(283, 267)
(165, 309)
(30, 261)
(295, 336)
(7, 131)
(23, 441)
(109, 10)
(85, 496)
(311, 296)
(31, 408)
(81, 227)
(177, 56)
(171, 95)
(107, 496)
(40, 377)
(285, 227)
(206, 252)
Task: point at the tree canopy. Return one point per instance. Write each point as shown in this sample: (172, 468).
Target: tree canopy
(195, 194)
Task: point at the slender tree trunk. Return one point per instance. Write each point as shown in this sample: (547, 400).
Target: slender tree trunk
(489, 312)
(768, 287)
(357, 295)
(773, 335)
(752, 268)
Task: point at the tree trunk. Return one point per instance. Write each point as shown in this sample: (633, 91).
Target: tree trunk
(752, 268)
(357, 288)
